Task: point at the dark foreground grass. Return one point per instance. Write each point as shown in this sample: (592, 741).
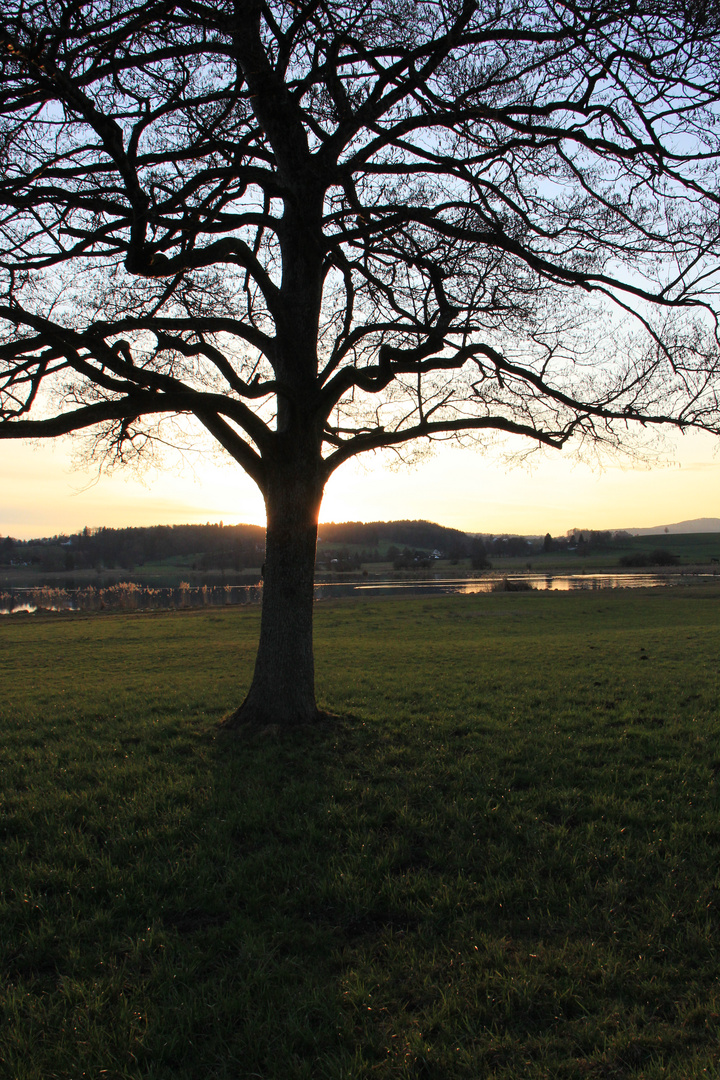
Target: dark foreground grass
(502, 863)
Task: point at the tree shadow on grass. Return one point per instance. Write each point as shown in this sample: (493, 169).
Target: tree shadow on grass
(397, 901)
(357, 899)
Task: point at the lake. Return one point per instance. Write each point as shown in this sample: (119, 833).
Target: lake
(133, 597)
(538, 582)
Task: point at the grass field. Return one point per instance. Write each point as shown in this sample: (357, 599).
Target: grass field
(503, 862)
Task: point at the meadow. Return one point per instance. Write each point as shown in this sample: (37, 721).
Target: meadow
(500, 860)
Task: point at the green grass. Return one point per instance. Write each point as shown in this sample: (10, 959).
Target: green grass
(691, 547)
(503, 863)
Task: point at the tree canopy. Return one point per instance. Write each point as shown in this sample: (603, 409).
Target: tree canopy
(321, 228)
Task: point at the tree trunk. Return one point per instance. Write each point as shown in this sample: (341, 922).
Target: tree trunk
(283, 687)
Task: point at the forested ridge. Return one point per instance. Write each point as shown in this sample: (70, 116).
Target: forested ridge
(237, 546)
(342, 547)
(130, 547)
(420, 534)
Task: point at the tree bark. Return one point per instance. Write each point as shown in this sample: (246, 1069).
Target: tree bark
(282, 691)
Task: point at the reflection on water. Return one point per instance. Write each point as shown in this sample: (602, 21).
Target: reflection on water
(561, 582)
(129, 596)
(540, 582)
(125, 596)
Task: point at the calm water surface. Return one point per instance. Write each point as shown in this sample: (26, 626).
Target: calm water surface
(137, 597)
(541, 582)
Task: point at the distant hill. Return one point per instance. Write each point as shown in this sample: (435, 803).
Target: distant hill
(234, 546)
(215, 547)
(696, 525)
(372, 534)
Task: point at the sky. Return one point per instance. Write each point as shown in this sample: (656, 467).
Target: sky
(43, 494)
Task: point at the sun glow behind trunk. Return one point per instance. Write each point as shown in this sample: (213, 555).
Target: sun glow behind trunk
(42, 495)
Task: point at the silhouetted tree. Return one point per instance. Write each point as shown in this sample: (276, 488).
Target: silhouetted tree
(7, 549)
(478, 554)
(457, 549)
(323, 228)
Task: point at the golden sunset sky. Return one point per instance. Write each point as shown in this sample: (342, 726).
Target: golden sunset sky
(43, 494)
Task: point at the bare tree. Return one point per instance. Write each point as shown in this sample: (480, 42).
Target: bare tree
(324, 227)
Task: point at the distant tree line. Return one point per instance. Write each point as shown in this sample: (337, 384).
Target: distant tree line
(343, 547)
(221, 547)
(424, 535)
(215, 546)
(405, 544)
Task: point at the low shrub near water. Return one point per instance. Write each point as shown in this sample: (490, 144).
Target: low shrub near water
(501, 862)
(660, 557)
(512, 585)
